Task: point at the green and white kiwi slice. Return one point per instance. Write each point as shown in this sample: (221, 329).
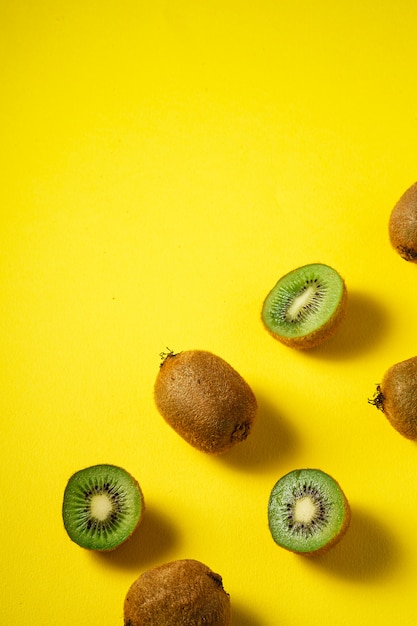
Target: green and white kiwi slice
(308, 512)
(306, 306)
(103, 505)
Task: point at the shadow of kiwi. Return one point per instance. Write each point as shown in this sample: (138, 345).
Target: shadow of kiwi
(242, 616)
(368, 551)
(364, 324)
(154, 537)
(270, 442)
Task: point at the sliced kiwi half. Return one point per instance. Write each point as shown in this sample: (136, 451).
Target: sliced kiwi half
(308, 512)
(396, 397)
(185, 592)
(103, 504)
(306, 306)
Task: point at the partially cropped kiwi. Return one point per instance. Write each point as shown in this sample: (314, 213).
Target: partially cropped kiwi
(103, 505)
(306, 306)
(205, 400)
(403, 225)
(308, 512)
(179, 593)
(396, 397)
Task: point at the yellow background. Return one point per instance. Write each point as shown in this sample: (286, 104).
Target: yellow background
(162, 164)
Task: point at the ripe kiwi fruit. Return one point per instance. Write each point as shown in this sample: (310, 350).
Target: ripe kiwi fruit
(103, 505)
(204, 400)
(308, 512)
(396, 397)
(403, 225)
(179, 593)
(306, 306)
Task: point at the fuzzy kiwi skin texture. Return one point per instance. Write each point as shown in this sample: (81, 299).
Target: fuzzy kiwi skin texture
(179, 593)
(205, 400)
(403, 225)
(396, 397)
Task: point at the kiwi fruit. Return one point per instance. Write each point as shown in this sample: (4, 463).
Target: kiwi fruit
(396, 397)
(103, 505)
(204, 399)
(306, 306)
(179, 593)
(308, 512)
(403, 225)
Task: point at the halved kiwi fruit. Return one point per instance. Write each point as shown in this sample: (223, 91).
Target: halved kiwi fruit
(103, 505)
(396, 397)
(306, 306)
(205, 400)
(308, 512)
(184, 592)
(403, 225)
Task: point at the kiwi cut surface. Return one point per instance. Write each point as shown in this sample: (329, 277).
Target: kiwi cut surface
(308, 512)
(179, 593)
(205, 400)
(396, 397)
(403, 225)
(103, 505)
(306, 306)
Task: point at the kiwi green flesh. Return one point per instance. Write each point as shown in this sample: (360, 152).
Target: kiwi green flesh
(185, 592)
(307, 511)
(102, 506)
(396, 397)
(305, 305)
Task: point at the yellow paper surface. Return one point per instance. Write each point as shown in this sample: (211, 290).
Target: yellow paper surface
(162, 165)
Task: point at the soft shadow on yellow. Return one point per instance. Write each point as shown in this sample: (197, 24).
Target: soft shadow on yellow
(271, 441)
(367, 552)
(155, 537)
(242, 616)
(364, 325)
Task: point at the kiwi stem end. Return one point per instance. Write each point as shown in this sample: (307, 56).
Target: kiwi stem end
(378, 399)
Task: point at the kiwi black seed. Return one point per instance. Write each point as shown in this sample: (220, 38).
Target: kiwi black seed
(396, 397)
(103, 505)
(308, 512)
(184, 592)
(403, 225)
(306, 306)
(205, 400)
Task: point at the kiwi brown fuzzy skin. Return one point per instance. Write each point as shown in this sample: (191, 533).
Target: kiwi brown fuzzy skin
(396, 397)
(205, 400)
(182, 593)
(403, 225)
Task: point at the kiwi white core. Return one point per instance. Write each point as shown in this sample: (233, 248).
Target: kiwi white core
(305, 510)
(100, 506)
(301, 302)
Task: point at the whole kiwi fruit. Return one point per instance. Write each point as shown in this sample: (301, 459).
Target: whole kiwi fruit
(403, 225)
(204, 399)
(308, 513)
(179, 593)
(396, 397)
(306, 306)
(102, 506)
